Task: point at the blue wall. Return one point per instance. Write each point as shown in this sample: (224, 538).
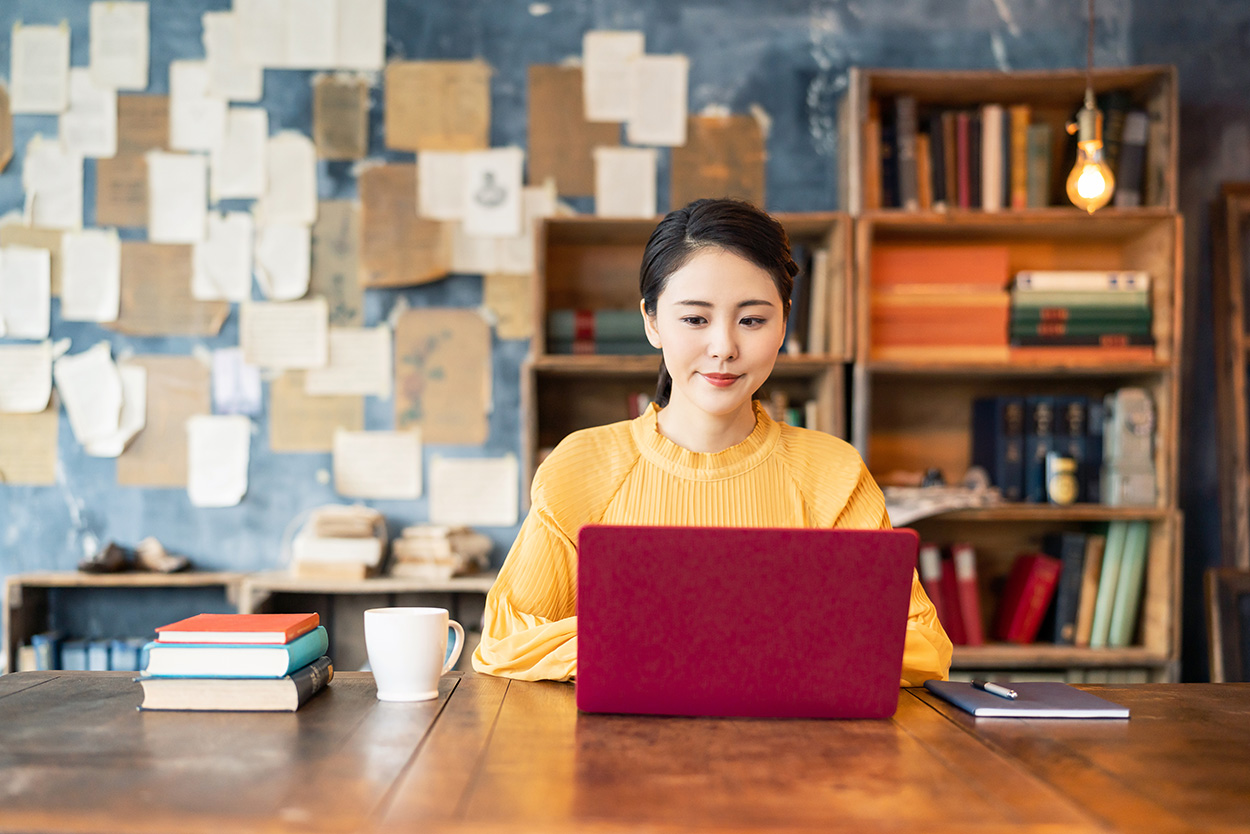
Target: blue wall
(788, 56)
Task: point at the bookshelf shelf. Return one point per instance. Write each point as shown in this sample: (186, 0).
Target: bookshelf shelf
(787, 365)
(1047, 513)
(1091, 368)
(1036, 655)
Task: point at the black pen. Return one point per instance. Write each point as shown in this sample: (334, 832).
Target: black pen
(995, 689)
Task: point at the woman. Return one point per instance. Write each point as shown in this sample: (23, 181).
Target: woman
(716, 280)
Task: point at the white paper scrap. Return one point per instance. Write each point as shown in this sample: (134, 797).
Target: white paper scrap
(221, 266)
(91, 275)
(492, 197)
(133, 417)
(91, 389)
(26, 292)
(607, 76)
(25, 377)
(441, 184)
(658, 113)
(236, 384)
(377, 464)
(89, 126)
(362, 34)
(625, 182)
(238, 162)
(285, 334)
(291, 192)
(312, 34)
(360, 363)
(260, 32)
(472, 254)
(52, 178)
(229, 78)
(177, 197)
(478, 492)
(218, 449)
(39, 69)
(119, 44)
(516, 254)
(284, 260)
(197, 119)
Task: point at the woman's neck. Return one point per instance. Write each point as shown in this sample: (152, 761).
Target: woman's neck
(699, 431)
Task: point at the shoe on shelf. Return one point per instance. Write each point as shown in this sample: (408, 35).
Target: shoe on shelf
(150, 555)
(113, 558)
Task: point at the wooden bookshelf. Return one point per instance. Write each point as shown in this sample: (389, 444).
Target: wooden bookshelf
(1231, 219)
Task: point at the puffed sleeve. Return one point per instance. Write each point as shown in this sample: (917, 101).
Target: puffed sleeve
(530, 628)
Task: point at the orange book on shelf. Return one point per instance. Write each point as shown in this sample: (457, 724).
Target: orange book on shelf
(267, 629)
(1081, 355)
(984, 266)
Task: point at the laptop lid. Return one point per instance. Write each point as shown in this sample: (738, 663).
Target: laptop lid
(715, 621)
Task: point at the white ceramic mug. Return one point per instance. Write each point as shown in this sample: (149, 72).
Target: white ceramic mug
(407, 647)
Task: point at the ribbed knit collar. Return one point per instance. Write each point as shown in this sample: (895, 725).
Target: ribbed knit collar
(705, 466)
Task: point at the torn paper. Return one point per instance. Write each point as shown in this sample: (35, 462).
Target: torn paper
(260, 29)
(508, 297)
(218, 448)
(134, 379)
(26, 377)
(177, 197)
(119, 44)
(397, 247)
(177, 388)
(25, 292)
(89, 126)
(49, 240)
(142, 123)
(197, 118)
(53, 182)
(474, 492)
(341, 117)
(607, 59)
(441, 184)
(91, 388)
(284, 334)
(236, 384)
(290, 194)
(377, 464)
(560, 137)
(360, 363)
(229, 77)
(437, 105)
(283, 260)
(91, 275)
(156, 293)
(239, 162)
(311, 34)
(222, 263)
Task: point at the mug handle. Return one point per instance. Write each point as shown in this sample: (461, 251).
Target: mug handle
(455, 653)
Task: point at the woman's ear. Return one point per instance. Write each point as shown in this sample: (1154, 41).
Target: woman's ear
(648, 322)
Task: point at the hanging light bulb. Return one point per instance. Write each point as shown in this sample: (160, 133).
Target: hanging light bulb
(1090, 183)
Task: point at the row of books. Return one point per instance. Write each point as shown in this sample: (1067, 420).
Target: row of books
(51, 650)
(1083, 308)
(236, 662)
(1080, 589)
(993, 156)
(1109, 440)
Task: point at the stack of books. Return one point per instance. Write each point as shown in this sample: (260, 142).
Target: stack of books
(609, 332)
(340, 542)
(436, 552)
(1083, 313)
(239, 662)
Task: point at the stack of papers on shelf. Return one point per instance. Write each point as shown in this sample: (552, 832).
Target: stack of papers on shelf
(436, 552)
(340, 542)
(239, 662)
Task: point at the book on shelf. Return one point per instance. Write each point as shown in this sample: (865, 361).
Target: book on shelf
(1071, 433)
(963, 159)
(967, 592)
(1158, 152)
(1046, 299)
(1081, 280)
(924, 172)
(1108, 577)
(1131, 170)
(1091, 340)
(591, 326)
(284, 694)
(992, 156)
(906, 128)
(1139, 318)
(937, 160)
(1038, 175)
(1018, 154)
(241, 660)
(818, 314)
(1026, 596)
(1114, 105)
(238, 628)
(1039, 434)
(1091, 570)
(872, 156)
(975, 150)
(929, 568)
(954, 621)
(1129, 585)
(950, 157)
(998, 442)
(1051, 354)
(1069, 548)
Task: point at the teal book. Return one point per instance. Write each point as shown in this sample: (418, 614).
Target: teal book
(1112, 558)
(1129, 586)
(234, 660)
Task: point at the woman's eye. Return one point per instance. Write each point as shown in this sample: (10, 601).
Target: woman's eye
(753, 321)
(692, 319)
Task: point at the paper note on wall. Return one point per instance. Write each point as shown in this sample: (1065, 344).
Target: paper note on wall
(91, 279)
(218, 449)
(142, 123)
(311, 34)
(284, 334)
(437, 105)
(398, 248)
(290, 194)
(723, 155)
(441, 184)
(25, 377)
(560, 137)
(39, 68)
(443, 375)
(283, 260)
(229, 77)
(91, 388)
(177, 389)
(222, 263)
(508, 297)
(119, 44)
(335, 248)
(625, 182)
(516, 254)
(156, 293)
(341, 117)
(377, 464)
(14, 234)
(121, 191)
(607, 59)
(53, 182)
(492, 197)
(177, 197)
(89, 126)
(196, 117)
(474, 492)
(28, 447)
(238, 169)
(236, 384)
(360, 363)
(260, 26)
(362, 34)
(658, 112)
(25, 292)
(134, 379)
(300, 422)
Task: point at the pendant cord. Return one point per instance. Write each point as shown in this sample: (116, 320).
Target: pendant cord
(1089, 60)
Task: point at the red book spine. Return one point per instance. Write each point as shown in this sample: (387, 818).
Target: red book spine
(963, 170)
(953, 622)
(1027, 595)
(964, 560)
(583, 331)
(930, 570)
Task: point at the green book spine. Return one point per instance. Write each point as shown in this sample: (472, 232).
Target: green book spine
(1111, 559)
(1072, 314)
(1128, 590)
(1077, 328)
(1080, 298)
(597, 325)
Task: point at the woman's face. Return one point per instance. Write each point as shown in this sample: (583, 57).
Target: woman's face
(720, 323)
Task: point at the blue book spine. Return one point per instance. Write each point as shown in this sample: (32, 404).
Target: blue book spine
(299, 653)
(1039, 436)
(98, 655)
(47, 647)
(998, 442)
(1095, 415)
(74, 655)
(1071, 416)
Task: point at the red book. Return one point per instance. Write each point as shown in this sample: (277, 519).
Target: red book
(929, 566)
(1026, 597)
(964, 560)
(963, 160)
(238, 628)
(953, 622)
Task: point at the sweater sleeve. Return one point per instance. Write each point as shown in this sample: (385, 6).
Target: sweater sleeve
(529, 627)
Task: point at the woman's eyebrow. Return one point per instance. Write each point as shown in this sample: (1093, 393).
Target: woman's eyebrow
(753, 302)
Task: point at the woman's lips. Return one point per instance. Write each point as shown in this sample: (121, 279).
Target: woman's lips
(721, 380)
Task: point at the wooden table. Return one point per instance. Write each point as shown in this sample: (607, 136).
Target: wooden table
(497, 756)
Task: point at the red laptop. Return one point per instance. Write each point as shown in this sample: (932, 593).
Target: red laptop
(716, 621)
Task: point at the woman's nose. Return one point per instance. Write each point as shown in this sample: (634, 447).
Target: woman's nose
(723, 344)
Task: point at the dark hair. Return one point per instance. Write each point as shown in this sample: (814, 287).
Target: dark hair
(731, 225)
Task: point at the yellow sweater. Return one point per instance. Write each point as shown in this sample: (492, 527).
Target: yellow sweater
(628, 473)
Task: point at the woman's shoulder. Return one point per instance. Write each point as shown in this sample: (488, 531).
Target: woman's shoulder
(818, 447)
(831, 475)
(582, 473)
